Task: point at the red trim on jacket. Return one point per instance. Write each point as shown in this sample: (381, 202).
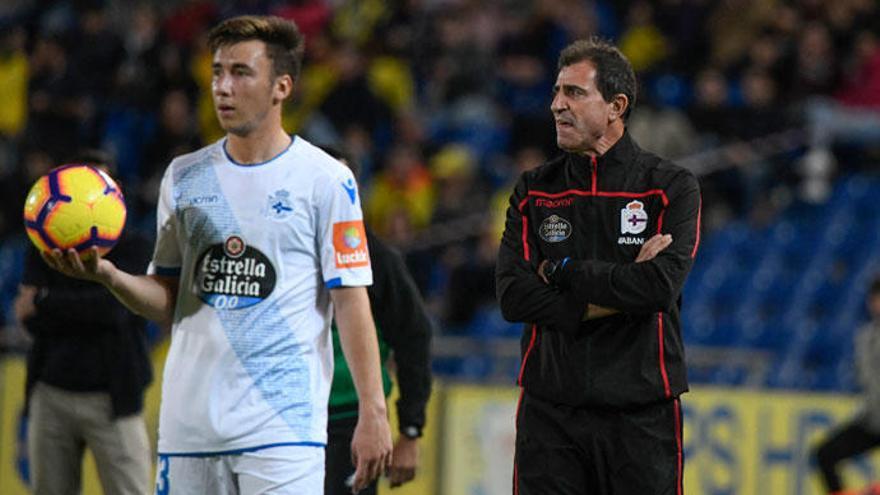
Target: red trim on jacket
(525, 228)
(601, 194)
(522, 367)
(679, 464)
(699, 216)
(666, 389)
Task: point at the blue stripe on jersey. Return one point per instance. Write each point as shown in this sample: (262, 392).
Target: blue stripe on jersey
(243, 451)
(333, 283)
(168, 272)
(228, 156)
(259, 335)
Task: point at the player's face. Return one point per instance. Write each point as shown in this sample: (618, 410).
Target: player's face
(244, 86)
(580, 112)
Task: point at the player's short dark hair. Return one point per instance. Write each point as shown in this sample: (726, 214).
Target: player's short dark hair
(284, 43)
(614, 72)
(875, 287)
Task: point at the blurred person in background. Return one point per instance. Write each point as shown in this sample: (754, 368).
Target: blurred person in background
(14, 73)
(33, 162)
(404, 332)
(862, 433)
(57, 103)
(87, 371)
(175, 135)
(403, 186)
(596, 249)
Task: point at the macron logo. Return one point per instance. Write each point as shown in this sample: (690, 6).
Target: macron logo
(351, 189)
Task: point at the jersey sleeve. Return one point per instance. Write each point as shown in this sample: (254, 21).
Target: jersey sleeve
(167, 254)
(342, 239)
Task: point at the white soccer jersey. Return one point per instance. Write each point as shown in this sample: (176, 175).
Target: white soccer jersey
(256, 249)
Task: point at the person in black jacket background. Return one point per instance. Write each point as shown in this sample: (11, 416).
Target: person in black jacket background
(596, 249)
(405, 332)
(87, 371)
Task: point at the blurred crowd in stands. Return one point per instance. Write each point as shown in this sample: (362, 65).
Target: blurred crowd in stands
(445, 102)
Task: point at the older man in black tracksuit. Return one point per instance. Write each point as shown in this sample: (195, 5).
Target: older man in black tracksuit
(597, 246)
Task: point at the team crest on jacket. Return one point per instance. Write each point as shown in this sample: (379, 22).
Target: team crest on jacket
(555, 229)
(633, 218)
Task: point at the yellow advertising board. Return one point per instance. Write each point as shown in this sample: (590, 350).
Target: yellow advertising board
(12, 377)
(737, 442)
(743, 442)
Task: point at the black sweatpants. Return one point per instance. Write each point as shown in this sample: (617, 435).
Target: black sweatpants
(338, 466)
(850, 440)
(562, 450)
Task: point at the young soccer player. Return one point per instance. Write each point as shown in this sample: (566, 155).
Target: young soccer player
(260, 239)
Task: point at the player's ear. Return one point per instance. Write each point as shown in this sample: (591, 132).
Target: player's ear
(283, 88)
(619, 104)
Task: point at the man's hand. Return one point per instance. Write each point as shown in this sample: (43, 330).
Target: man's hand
(23, 306)
(652, 247)
(404, 462)
(90, 267)
(541, 268)
(371, 448)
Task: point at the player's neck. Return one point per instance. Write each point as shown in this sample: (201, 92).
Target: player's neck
(257, 147)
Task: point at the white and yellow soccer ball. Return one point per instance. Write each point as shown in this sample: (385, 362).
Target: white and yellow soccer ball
(74, 206)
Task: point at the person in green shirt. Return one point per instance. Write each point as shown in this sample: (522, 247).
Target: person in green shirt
(404, 332)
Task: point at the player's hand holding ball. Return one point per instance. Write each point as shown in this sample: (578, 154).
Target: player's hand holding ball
(74, 215)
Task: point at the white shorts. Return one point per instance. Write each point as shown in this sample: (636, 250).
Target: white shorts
(283, 470)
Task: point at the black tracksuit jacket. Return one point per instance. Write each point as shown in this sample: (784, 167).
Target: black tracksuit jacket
(599, 212)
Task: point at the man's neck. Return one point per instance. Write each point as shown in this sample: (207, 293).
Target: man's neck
(606, 141)
(257, 147)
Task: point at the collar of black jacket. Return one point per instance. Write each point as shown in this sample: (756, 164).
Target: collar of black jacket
(622, 152)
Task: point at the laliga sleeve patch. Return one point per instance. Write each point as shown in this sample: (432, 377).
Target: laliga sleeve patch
(350, 245)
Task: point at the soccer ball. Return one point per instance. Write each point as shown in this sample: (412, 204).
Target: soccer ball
(74, 206)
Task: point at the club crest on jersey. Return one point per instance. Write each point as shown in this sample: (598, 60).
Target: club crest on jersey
(633, 218)
(555, 229)
(350, 244)
(233, 275)
(279, 206)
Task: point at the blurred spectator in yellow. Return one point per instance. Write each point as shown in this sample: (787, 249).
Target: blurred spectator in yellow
(13, 82)
(643, 43)
(403, 187)
(454, 170)
(356, 20)
(734, 24)
(201, 71)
